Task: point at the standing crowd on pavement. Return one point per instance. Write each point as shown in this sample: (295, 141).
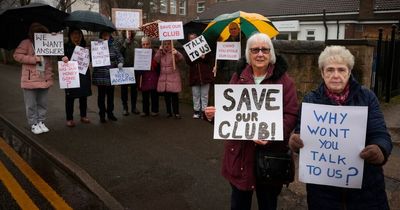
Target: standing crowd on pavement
(259, 65)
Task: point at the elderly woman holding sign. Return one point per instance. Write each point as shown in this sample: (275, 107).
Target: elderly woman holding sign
(239, 162)
(36, 79)
(341, 89)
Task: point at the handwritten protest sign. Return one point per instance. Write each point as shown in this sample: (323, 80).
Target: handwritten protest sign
(68, 74)
(170, 30)
(122, 76)
(49, 44)
(228, 51)
(142, 59)
(248, 112)
(333, 139)
(197, 47)
(100, 53)
(127, 19)
(81, 55)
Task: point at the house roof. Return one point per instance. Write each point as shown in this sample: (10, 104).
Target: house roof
(271, 8)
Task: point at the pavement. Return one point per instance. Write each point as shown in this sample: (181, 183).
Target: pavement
(157, 163)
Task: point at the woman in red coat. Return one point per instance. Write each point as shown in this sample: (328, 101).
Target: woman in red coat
(239, 156)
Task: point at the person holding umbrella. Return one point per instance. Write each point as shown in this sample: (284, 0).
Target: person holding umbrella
(36, 79)
(75, 38)
(101, 78)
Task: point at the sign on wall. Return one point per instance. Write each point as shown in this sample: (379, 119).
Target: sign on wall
(248, 112)
(49, 44)
(333, 138)
(127, 19)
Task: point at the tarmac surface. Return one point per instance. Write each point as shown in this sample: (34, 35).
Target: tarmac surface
(155, 162)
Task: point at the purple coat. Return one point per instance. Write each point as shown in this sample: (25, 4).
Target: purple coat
(149, 79)
(169, 79)
(238, 161)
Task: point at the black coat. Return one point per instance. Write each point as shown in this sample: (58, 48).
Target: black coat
(85, 80)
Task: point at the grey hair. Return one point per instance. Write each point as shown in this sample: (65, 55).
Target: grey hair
(336, 54)
(146, 38)
(260, 37)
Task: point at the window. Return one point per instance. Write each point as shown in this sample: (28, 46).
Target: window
(182, 7)
(282, 36)
(201, 6)
(172, 7)
(310, 35)
(163, 6)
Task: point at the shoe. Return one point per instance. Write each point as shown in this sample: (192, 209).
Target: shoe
(112, 117)
(154, 114)
(103, 120)
(135, 111)
(178, 116)
(144, 115)
(196, 115)
(70, 123)
(43, 127)
(125, 112)
(85, 120)
(36, 129)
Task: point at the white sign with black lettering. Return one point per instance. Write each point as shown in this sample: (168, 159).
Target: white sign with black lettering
(100, 53)
(49, 44)
(196, 48)
(142, 59)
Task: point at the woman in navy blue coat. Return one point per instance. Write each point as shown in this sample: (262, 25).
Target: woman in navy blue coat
(341, 89)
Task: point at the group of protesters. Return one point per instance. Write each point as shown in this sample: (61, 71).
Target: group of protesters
(260, 66)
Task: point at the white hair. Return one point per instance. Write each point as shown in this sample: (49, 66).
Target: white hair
(260, 37)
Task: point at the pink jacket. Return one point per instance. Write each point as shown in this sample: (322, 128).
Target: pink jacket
(169, 79)
(31, 78)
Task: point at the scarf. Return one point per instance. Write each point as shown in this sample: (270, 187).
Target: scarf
(339, 98)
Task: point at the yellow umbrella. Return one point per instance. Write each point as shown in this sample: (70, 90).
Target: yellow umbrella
(218, 30)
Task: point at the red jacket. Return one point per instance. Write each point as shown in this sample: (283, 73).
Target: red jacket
(238, 161)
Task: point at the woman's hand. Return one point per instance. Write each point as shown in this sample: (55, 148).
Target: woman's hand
(372, 154)
(295, 143)
(65, 59)
(174, 52)
(261, 142)
(209, 112)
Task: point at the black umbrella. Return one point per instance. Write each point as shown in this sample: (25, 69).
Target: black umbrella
(90, 21)
(192, 27)
(15, 22)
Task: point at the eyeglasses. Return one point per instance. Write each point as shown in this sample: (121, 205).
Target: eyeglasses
(257, 50)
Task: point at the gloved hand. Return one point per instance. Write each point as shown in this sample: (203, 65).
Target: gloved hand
(120, 65)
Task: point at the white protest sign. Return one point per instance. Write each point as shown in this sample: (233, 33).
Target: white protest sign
(68, 74)
(333, 138)
(228, 51)
(100, 53)
(142, 59)
(49, 44)
(170, 30)
(81, 55)
(127, 19)
(197, 47)
(248, 112)
(122, 77)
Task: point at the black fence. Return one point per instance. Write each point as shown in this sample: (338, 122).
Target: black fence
(386, 76)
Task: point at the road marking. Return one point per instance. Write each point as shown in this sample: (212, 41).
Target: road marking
(16, 190)
(55, 200)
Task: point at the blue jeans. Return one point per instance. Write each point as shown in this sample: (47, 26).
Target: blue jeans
(267, 197)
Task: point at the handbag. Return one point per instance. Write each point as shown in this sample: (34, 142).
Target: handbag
(274, 167)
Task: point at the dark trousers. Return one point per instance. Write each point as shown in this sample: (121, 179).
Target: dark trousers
(146, 97)
(103, 92)
(171, 102)
(69, 106)
(124, 96)
(267, 197)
